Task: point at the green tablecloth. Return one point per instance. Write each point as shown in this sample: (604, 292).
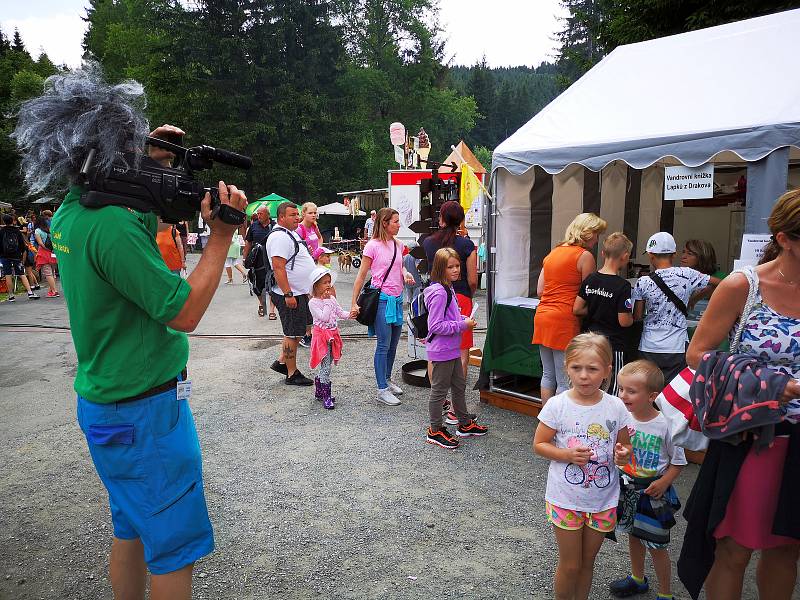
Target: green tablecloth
(508, 342)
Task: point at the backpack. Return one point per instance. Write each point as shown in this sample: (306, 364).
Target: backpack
(256, 264)
(419, 314)
(11, 243)
(261, 266)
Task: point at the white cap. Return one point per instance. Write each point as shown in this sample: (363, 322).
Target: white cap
(319, 272)
(661, 243)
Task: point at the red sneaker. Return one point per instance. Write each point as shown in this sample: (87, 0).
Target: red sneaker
(470, 429)
(442, 438)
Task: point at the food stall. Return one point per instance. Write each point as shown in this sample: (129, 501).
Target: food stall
(408, 191)
(715, 101)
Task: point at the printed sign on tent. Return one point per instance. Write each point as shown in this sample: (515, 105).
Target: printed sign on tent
(689, 183)
(753, 246)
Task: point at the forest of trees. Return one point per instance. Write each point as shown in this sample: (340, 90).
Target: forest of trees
(309, 88)
(21, 77)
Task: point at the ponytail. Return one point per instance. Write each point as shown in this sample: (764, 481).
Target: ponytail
(771, 251)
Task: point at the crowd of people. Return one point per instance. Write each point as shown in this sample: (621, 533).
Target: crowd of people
(612, 452)
(612, 457)
(26, 254)
(742, 500)
(599, 422)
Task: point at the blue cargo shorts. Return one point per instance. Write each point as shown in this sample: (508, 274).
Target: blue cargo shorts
(147, 455)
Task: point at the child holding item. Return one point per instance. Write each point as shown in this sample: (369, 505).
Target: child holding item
(326, 342)
(648, 501)
(443, 344)
(584, 433)
(604, 300)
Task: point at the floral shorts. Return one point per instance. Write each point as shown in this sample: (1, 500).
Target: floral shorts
(571, 520)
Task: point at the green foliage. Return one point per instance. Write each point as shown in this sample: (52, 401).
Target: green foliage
(594, 28)
(25, 85)
(308, 89)
(630, 21)
(484, 155)
(21, 78)
(581, 45)
(506, 97)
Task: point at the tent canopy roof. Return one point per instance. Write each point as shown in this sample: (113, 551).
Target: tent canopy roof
(468, 156)
(273, 197)
(688, 97)
(337, 208)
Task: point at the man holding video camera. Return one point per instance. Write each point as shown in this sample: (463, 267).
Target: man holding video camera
(128, 313)
(128, 317)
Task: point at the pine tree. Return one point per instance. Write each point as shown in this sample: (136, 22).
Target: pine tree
(5, 45)
(481, 87)
(581, 46)
(630, 21)
(17, 45)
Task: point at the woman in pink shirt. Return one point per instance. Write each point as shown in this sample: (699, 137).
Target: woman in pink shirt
(383, 255)
(309, 231)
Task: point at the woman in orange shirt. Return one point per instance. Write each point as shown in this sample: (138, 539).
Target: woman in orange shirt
(563, 270)
(169, 243)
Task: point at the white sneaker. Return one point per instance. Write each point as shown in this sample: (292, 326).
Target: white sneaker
(394, 388)
(385, 395)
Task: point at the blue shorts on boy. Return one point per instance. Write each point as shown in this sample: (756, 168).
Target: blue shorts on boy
(147, 455)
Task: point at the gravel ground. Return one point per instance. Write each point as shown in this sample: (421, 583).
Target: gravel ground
(305, 503)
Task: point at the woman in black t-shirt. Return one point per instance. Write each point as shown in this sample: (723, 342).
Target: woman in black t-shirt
(451, 216)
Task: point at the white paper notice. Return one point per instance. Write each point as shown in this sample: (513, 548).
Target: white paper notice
(753, 246)
(689, 183)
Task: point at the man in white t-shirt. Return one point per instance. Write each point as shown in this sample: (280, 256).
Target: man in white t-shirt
(664, 337)
(369, 226)
(292, 265)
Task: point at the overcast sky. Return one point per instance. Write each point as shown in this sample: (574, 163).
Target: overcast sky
(512, 32)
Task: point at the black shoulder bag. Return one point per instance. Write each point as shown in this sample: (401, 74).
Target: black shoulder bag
(369, 297)
(669, 293)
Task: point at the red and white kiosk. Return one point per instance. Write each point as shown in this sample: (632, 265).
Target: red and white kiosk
(408, 187)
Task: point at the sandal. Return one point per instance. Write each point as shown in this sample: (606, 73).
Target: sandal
(273, 316)
(261, 311)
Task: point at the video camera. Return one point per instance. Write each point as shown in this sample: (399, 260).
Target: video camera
(171, 192)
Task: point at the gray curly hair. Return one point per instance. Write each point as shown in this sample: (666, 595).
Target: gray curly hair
(78, 111)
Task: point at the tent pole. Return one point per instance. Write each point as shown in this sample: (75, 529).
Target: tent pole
(490, 206)
(766, 182)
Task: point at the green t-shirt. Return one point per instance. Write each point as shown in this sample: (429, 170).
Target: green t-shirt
(119, 295)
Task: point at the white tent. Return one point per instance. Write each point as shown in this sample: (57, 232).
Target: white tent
(721, 95)
(337, 208)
